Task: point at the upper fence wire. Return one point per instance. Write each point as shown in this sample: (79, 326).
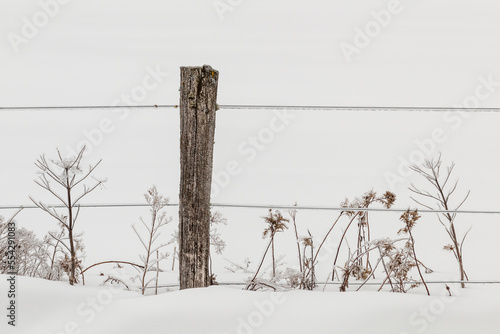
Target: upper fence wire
(257, 206)
(264, 107)
(267, 107)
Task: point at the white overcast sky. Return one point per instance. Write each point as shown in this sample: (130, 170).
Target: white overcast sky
(428, 53)
(268, 52)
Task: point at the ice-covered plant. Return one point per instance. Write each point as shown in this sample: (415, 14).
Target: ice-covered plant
(440, 195)
(3, 234)
(61, 178)
(235, 267)
(397, 262)
(308, 277)
(306, 274)
(33, 256)
(153, 230)
(275, 223)
(409, 218)
(55, 253)
(216, 242)
(362, 266)
(293, 217)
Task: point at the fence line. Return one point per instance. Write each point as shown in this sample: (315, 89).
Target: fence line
(265, 107)
(256, 206)
(340, 283)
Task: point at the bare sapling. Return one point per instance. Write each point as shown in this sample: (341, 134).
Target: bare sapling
(61, 177)
(153, 230)
(440, 195)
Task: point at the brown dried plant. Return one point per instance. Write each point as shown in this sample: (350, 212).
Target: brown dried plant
(362, 267)
(276, 223)
(441, 196)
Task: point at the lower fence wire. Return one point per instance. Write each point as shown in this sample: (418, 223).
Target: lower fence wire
(340, 283)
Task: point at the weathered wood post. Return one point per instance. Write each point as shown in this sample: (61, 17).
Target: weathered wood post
(197, 109)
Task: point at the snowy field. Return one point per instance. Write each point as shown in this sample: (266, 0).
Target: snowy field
(221, 310)
(332, 53)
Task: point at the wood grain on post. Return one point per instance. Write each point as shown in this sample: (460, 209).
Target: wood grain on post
(197, 119)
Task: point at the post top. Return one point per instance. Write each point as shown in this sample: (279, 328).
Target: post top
(205, 67)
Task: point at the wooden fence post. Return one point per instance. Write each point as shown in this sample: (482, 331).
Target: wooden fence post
(198, 97)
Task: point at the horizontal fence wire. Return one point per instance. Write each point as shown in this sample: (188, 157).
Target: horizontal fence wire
(255, 206)
(340, 283)
(265, 107)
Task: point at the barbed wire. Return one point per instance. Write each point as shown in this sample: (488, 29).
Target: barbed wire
(257, 206)
(264, 107)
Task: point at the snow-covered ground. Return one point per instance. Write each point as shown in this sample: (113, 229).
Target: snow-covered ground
(441, 54)
(55, 307)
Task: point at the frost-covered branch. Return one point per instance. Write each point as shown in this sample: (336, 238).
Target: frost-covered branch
(66, 173)
(158, 219)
